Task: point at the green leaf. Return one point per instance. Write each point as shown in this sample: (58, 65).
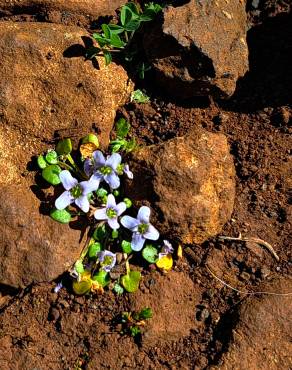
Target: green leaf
(61, 215)
(64, 147)
(51, 174)
(135, 330)
(101, 192)
(79, 266)
(139, 97)
(118, 289)
(99, 233)
(126, 15)
(131, 145)
(91, 138)
(115, 29)
(102, 41)
(122, 127)
(41, 162)
(133, 8)
(115, 234)
(131, 281)
(82, 287)
(116, 41)
(150, 254)
(128, 202)
(94, 249)
(126, 247)
(145, 313)
(132, 25)
(106, 31)
(52, 157)
(91, 52)
(102, 277)
(107, 56)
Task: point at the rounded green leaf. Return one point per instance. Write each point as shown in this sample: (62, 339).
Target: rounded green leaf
(91, 138)
(41, 162)
(116, 193)
(99, 233)
(126, 246)
(118, 289)
(61, 215)
(115, 234)
(150, 254)
(128, 202)
(79, 266)
(94, 249)
(51, 174)
(82, 287)
(64, 147)
(101, 192)
(52, 157)
(102, 277)
(131, 281)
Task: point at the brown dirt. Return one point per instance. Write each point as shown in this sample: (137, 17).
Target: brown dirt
(42, 330)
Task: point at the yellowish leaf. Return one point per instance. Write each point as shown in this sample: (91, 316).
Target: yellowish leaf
(179, 251)
(165, 263)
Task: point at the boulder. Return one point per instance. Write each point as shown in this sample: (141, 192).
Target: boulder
(200, 49)
(33, 247)
(60, 11)
(45, 86)
(189, 182)
(261, 338)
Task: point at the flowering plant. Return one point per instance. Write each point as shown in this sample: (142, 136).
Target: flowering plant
(91, 184)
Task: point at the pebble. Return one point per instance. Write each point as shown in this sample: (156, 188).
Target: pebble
(245, 275)
(54, 314)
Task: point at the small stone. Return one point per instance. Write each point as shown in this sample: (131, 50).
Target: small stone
(54, 314)
(265, 272)
(245, 276)
(203, 314)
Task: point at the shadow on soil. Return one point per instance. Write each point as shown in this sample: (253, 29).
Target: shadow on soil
(269, 80)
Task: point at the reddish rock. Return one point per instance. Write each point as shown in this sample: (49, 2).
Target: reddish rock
(33, 247)
(45, 86)
(61, 11)
(189, 182)
(201, 48)
(261, 338)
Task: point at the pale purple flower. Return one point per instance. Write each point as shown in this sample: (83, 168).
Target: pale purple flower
(128, 172)
(166, 249)
(111, 212)
(76, 192)
(58, 287)
(104, 168)
(107, 260)
(141, 228)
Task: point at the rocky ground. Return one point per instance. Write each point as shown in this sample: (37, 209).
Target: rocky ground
(48, 91)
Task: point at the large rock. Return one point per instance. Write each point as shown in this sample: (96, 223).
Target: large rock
(189, 182)
(45, 85)
(262, 337)
(44, 88)
(32, 247)
(65, 11)
(201, 48)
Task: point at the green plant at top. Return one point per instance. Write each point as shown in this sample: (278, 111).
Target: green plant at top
(117, 38)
